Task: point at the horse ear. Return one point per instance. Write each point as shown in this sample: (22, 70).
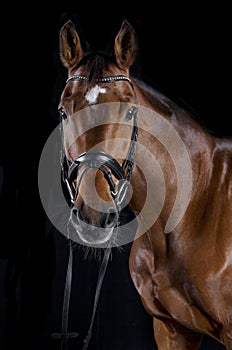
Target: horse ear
(125, 45)
(70, 45)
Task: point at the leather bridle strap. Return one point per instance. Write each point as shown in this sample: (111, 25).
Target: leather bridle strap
(101, 275)
(64, 335)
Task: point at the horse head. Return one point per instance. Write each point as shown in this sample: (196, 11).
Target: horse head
(96, 108)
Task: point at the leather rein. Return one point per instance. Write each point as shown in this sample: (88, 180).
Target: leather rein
(110, 167)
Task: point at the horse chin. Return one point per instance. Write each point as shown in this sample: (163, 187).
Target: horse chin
(91, 234)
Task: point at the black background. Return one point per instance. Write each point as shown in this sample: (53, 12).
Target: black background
(183, 50)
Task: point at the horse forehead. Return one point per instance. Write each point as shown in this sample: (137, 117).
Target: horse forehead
(83, 93)
(92, 94)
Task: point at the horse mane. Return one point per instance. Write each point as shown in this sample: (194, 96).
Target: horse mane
(166, 105)
(96, 63)
(161, 102)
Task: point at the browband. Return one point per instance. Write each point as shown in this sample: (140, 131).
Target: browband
(109, 79)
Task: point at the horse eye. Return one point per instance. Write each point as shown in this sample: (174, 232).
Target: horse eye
(62, 113)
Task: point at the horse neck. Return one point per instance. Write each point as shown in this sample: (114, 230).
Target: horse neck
(198, 146)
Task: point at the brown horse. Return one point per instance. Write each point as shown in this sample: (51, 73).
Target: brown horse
(138, 146)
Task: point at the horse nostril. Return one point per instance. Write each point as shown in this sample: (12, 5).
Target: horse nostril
(75, 211)
(109, 219)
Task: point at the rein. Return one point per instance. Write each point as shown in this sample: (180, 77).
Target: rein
(110, 167)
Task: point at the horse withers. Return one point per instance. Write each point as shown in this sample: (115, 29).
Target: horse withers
(124, 141)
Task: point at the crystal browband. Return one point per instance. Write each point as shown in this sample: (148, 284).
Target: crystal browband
(108, 79)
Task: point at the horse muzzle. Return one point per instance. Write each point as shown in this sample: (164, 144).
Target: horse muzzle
(98, 231)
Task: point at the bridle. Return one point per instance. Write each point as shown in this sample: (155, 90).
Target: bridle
(98, 159)
(108, 165)
(110, 168)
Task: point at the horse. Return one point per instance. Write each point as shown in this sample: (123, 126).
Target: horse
(129, 148)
